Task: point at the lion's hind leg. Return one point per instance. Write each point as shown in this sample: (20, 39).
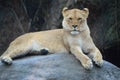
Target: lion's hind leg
(15, 50)
(22, 49)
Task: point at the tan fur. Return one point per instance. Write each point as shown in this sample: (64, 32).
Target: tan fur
(69, 39)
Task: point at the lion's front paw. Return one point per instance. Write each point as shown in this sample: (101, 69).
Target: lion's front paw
(98, 61)
(88, 64)
(6, 60)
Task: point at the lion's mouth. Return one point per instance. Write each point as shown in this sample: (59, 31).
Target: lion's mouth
(75, 29)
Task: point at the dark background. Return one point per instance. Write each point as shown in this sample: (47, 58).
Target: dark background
(18, 17)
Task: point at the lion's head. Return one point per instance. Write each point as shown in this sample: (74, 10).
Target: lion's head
(74, 19)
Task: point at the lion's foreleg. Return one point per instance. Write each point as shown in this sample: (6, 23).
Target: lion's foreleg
(96, 56)
(85, 60)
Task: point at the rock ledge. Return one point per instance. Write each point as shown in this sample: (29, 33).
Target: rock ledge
(56, 67)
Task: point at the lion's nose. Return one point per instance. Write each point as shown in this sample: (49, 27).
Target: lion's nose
(74, 26)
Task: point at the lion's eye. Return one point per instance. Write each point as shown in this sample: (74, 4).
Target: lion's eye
(79, 19)
(70, 18)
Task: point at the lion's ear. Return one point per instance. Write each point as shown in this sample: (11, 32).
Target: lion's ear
(86, 11)
(64, 10)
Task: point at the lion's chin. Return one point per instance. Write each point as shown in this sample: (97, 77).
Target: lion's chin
(74, 32)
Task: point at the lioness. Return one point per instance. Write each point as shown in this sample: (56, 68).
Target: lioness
(74, 37)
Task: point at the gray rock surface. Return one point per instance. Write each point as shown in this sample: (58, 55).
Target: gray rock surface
(56, 67)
